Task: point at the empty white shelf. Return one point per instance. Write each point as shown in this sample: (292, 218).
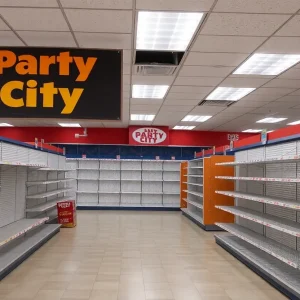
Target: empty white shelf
(56, 170)
(93, 169)
(16, 229)
(283, 159)
(94, 179)
(47, 205)
(280, 251)
(277, 223)
(12, 163)
(47, 194)
(194, 193)
(260, 179)
(262, 199)
(196, 184)
(197, 176)
(196, 167)
(29, 183)
(199, 205)
(193, 215)
(110, 179)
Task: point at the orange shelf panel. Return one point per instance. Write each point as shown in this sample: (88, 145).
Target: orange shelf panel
(183, 185)
(211, 214)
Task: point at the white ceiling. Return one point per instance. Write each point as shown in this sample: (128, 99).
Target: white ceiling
(230, 33)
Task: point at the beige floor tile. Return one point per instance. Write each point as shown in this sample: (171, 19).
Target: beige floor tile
(159, 294)
(103, 295)
(76, 294)
(157, 286)
(55, 285)
(106, 285)
(49, 295)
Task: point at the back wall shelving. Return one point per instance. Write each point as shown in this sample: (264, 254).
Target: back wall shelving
(126, 183)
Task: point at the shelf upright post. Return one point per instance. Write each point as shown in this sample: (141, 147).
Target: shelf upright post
(99, 181)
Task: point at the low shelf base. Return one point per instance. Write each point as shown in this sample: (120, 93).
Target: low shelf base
(199, 223)
(284, 278)
(144, 208)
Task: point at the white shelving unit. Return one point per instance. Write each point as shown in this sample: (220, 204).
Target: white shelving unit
(126, 183)
(266, 232)
(22, 230)
(195, 190)
(48, 186)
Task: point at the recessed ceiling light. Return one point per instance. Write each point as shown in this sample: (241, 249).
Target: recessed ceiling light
(166, 30)
(229, 93)
(252, 130)
(267, 64)
(135, 117)
(271, 120)
(5, 125)
(294, 123)
(69, 124)
(149, 91)
(192, 118)
(184, 127)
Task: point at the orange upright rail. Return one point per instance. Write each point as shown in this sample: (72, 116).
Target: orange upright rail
(211, 214)
(183, 184)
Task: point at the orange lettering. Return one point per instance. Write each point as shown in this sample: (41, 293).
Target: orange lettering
(27, 65)
(45, 62)
(7, 60)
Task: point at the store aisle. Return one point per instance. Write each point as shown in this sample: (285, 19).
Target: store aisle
(134, 256)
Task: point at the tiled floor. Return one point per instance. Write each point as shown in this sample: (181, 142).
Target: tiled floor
(134, 256)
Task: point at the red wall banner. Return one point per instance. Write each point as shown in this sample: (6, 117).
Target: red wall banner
(149, 136)
(115, 136)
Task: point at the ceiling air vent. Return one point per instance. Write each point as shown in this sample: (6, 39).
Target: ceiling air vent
(158, 70)
(223, 103)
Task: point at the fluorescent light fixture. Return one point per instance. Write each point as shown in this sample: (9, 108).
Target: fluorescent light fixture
(170, 31)
(294, 123)
(229, 93)
(267, 64)
(135, 117)
(192, 118)
(252, 130)
(69, 124)
(149, 91)
(184, 127)
(5, 125)
(271, 120)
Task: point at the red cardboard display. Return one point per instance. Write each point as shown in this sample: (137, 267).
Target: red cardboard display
(66, 211)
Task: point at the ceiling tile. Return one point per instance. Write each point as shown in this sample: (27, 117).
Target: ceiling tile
(291, 28)
(273, 91)
(250, 103)
(181, 102)
(191, 89)
(244, 82)
(187, 5)
(33, 18)
(8, 38)
(176, 108)
(43, 38)
(144, 108)
(205, 71)
(263, 97)
(134, 101)
(152, 80)
(198, 81)
(106, 4)
(258, 6)
(127, 56)
(289, 99)
(296, 93)
(293, 73)
(187, 96)
(126, 69)
(114, 21)
(28, 3)
(103, 40)
(283, 83)
(207, 110)
(236, 110)
(126, 79)
(214, 59)
(243, 24)
(3, 26)
(285, 45)
(123, 124)
(233, 44)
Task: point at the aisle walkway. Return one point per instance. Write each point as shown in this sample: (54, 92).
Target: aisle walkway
(134, 256)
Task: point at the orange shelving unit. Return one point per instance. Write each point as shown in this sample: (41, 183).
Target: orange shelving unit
(198, 186)
(183, 184)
